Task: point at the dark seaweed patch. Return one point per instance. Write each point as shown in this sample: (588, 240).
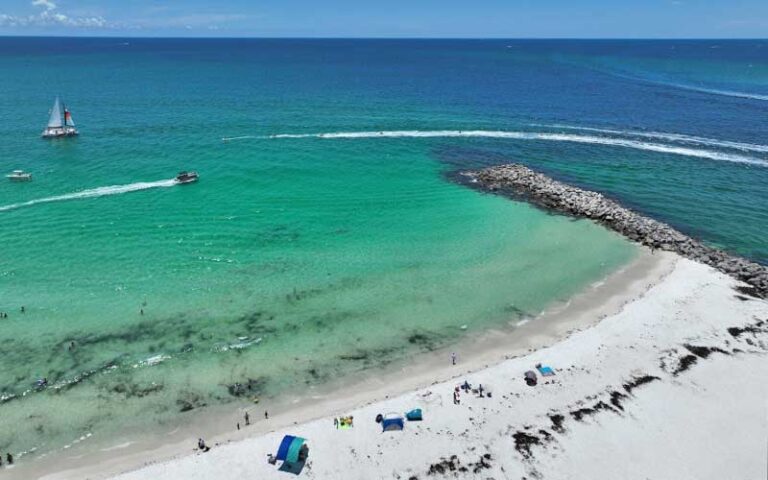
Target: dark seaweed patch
(639, 381)
(133, 390)
(579, 414)
(616, 399)
(189, 401)
(250, 386)
(523, 443)
(519, 312)
(738, 331)
(453, 464)
(557, 422)
(357, 356)
(444, 465)
(424, 340)
(704, 352)
(748, 290)
(685, 363)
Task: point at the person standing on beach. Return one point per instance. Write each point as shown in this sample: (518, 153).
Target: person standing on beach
(453, 358)
(9, 458)
(266, 415)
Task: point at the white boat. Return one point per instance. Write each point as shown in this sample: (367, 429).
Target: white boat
(186, 177)
(60, 123)
(19, 176)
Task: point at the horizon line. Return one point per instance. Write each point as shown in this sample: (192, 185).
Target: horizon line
(237, 37)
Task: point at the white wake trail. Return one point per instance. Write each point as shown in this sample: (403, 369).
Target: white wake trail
(672, 137)
(554, 137)
(715, 91)
(94, 192)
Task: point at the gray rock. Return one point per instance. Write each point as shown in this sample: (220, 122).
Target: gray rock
(521, 182)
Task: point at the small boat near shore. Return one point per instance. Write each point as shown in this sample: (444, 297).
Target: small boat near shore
(19, 176)
(60, 123)
(186, 177)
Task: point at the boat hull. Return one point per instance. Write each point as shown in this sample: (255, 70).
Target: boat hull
(60, 133)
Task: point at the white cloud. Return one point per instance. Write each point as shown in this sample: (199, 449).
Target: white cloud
(48, 5)
(49, 17)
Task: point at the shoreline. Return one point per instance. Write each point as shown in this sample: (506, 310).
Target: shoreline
(626, 388)
(476, 351)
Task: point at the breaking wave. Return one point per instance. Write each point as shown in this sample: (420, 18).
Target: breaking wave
(94, 192)
(542, 136)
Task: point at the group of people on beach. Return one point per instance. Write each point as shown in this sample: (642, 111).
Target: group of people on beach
(247, 418)
(343, 422)
(467, 388)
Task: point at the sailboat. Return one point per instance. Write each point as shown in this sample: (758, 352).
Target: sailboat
(60, 123)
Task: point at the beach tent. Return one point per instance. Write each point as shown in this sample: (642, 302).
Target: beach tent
(414, 415)
(289, 449)
(392, 421)
(544, 370)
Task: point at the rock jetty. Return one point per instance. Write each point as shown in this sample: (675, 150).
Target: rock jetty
(520, 182)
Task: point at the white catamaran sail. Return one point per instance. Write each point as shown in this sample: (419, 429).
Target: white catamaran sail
(59, 125)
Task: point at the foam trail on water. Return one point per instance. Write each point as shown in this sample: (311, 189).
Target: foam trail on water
(94, 192)
(554, 137)
(672, 137)
(242, 137)
(715, 91)
(692, 88)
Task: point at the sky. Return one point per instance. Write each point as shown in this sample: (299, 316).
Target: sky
(388, 18)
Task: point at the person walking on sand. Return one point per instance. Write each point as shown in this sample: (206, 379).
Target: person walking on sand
(202, 446)
(453, 358)
(336, 423)
(266, 415)
(247, 419)
(9, 458)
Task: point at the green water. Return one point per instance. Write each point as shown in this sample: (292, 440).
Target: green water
(294, 265)
(292, 262)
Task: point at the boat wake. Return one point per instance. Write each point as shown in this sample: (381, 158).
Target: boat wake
(94, 192)
(633, 143)
(713, 91)
(671, 137)
(685, 86)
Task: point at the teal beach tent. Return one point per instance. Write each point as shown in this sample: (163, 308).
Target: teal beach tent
(289, 449)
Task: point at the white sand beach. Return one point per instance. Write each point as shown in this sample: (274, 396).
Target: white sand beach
(660, 378)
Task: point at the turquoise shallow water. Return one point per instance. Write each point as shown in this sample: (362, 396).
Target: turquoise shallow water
(298, 260)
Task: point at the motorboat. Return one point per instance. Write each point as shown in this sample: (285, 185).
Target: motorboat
(186, 177)
(60, 123)
(19, 176)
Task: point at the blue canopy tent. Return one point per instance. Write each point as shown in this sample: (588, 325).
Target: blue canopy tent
(290, 449)
(392, 421)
